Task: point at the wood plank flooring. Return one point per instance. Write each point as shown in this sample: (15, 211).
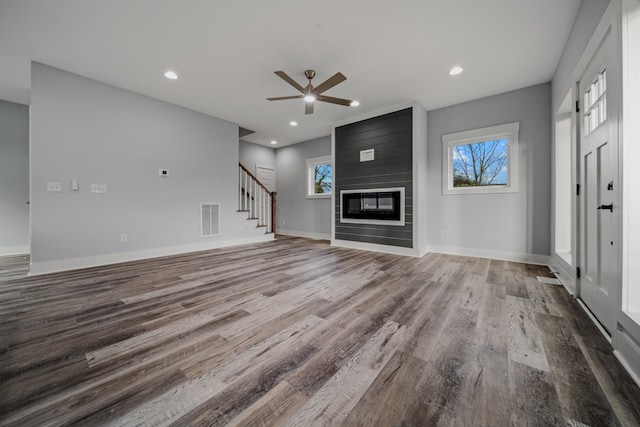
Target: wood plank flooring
(295, 332)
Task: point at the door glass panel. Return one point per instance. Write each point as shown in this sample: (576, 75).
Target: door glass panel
(595, 103)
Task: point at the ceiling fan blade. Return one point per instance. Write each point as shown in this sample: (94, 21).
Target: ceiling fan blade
(308, 107)
(280, 98)
(289, 80)
(331, 99)
(329, 83)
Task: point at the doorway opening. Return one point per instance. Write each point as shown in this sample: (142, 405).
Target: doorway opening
(564, 168)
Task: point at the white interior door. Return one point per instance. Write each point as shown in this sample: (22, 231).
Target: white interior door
(598, 233)
(267, 176)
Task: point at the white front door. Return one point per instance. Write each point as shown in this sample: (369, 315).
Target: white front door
(267, 176)
(598, 151)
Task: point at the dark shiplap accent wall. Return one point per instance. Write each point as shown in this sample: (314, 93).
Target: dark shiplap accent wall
(391, 136)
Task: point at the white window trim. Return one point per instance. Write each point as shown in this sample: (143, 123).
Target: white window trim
(509, 131)
(311, 163)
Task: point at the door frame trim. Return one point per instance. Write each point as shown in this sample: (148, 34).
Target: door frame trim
(609, 25)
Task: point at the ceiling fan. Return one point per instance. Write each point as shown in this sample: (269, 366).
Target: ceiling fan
(310, 93)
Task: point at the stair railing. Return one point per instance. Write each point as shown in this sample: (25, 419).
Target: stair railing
(257, 200)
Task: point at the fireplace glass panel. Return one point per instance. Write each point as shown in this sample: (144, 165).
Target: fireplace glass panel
(385, 202)
(369, 203)
(372, 205)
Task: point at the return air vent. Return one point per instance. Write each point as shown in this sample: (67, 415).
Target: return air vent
(210, 219)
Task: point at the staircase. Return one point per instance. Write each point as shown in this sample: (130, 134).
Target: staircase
(255, 199)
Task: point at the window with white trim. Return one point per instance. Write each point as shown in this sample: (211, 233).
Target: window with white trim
(595, 103)
(481, 160)
(319, 177)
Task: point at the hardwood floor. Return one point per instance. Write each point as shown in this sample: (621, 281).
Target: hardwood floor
(296, 332)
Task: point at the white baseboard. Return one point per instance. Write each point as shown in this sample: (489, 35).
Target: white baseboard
(491, 254)
(451, 250)
(635, 375)
(626, 342)
(387, 249)
(38, 268)
(566, 278)
(595, 321)
(307, 234)
(423, 251)
(627, 351)
(14, 250)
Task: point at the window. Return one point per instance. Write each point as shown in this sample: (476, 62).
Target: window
(481, 160)
(319, 177)
(595, 103)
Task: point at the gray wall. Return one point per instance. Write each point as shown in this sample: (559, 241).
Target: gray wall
(510, 222)
(295, 213)
(14, 178)
(587, 20)
(252, 154)
(391, 136)
(99, 134)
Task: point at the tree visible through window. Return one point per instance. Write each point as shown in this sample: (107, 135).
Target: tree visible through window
(322, 179)
(480, 163)
(481, 160)
(319, 177)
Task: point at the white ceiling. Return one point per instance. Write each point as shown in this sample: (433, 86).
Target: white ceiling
(226, 51)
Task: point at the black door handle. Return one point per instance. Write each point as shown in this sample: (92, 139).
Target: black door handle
(609, 207)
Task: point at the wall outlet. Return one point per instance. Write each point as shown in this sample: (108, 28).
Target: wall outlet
(163, 172)
(123, 238)
(441, 233)
(98, 188)
(55, 187)
(283, 222)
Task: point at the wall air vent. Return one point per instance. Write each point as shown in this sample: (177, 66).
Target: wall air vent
(210, 219)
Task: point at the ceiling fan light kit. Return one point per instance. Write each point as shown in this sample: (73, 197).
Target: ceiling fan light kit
(311, 94)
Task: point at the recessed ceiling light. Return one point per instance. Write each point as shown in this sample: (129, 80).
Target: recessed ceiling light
(455, 71)
(171, 75)
(309, 98)
(355, 103)
(274, 142)
(293, 123)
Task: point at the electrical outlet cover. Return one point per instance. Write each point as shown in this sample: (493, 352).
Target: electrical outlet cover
(55, 187)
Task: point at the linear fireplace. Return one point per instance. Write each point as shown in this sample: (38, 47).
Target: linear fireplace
(372, 206)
